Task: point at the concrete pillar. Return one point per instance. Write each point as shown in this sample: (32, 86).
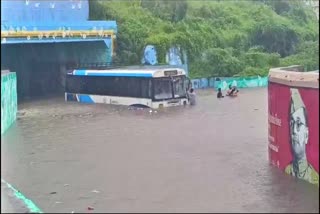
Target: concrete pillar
(293, 105)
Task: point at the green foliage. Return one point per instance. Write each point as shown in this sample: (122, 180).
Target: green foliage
(221, 38)
(173, 10)
(307, 56)
(275, 37)
(217, 62)
(253, 71)
(255, 57)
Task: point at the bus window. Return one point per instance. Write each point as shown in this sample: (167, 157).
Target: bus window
(162, 89)
(145, 88)
(74, 84)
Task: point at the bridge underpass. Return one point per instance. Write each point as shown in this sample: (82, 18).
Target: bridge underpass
(41, 68)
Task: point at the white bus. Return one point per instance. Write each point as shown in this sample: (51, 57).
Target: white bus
(148, 87)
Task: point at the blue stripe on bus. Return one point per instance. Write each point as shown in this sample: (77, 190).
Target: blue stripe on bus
(80, 72)
(84, 73)
(85, 98)
(121, 74)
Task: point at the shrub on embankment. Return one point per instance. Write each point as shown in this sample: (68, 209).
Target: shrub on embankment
(221, 38)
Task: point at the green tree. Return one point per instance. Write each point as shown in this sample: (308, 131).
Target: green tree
(221, 38)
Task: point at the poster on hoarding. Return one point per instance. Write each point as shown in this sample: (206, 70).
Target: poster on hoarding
(293, 122)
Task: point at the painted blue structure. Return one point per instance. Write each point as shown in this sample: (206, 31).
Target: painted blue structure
(52, 36)
(149, 56)
(174, 57)
(177, 57)
(44, 11)
(50, 21)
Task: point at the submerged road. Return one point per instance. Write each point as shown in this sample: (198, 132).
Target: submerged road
(208, 158)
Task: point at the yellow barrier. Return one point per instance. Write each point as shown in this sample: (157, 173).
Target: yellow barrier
(47, 34)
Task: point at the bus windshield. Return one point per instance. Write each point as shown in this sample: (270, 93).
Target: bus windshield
(168, 88)
(162, 89)
(179, 87)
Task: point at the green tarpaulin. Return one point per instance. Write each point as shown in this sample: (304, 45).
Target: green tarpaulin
(243, 82)
(8, 100)
(224, 82)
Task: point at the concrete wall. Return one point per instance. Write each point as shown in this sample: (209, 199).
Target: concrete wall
(8, 99)
(293, 105)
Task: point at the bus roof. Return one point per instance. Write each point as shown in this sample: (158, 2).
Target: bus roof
(131, 72)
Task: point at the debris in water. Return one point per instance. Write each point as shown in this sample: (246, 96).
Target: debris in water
(52, 193)
(95, 191)
(256, 109)
(65, 185)
(21, 113)
(88, 114)
(90, 208)
(58, 202)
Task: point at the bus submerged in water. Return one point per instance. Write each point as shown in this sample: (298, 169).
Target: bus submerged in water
(135, 86)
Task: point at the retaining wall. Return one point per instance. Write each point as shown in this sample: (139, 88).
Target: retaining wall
(8, 99)
(293, 122)
(224, 82)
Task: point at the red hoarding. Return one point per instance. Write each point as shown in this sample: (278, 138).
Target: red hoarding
(294, 130)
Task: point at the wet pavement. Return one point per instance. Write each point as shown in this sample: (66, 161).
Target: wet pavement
(208, 158)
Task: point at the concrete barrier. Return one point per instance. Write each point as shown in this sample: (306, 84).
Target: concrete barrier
(293, 122)
(8, 99)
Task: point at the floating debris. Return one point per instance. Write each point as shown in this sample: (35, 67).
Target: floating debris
(90, 208)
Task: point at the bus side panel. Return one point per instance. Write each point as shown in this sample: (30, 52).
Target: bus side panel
(84, 98)
(120, 100)
(170, 103)
(128, 101)
(70, 97)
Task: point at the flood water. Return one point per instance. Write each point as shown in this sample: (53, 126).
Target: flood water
(208, 158)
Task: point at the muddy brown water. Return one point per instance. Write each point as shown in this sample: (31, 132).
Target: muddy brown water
(208, 158)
